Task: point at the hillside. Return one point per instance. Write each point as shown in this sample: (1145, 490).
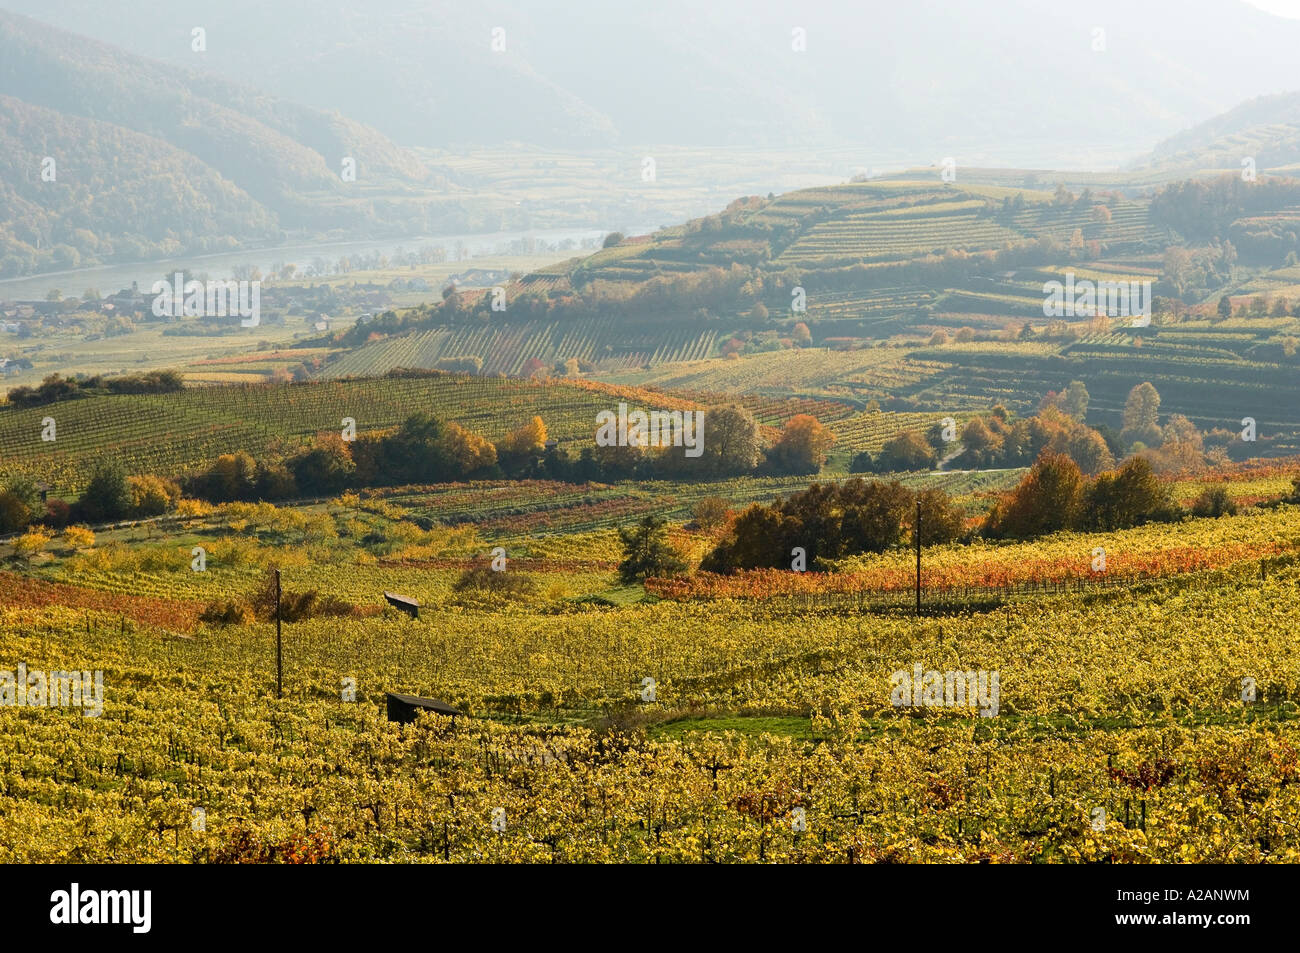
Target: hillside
(176, 160)
(924, 296)
(1265, 129)
(119, 194)
(172, 433)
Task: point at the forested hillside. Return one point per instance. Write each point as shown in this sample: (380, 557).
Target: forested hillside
(176, 161)
(118, 194)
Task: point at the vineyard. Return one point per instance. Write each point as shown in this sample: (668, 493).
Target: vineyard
(770, 734)
(885, 236)
(879, 222)
(506, 349)
(922, 296)
(170, 433)
(509, 509)
(1129, 556)
(1117, 696)
(859, 375)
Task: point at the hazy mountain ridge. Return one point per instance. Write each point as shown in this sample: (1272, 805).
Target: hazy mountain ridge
(937, 77)
(116, 194)
(175, 159)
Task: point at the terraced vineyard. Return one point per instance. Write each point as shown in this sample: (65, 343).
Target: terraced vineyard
(776, 411)
(885, 236)
(881, 223)
(866, 313)
(1020, 293)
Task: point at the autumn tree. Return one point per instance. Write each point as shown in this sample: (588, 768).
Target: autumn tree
(1127, 497)
(942, 521)
(1178, 269)
(731, 442)
(1141, 416)
(980, 444)
(616, 462)
(79, 537)
(325, 468)
(711, 512)
(522, 445)
(414, 454)
(1214, 501)
(31, 543)
(802, 445)
(761, 537)
(20, 505)
(529, 438)
(907, 451)
(1181, 449)
(1089, 450)
(152, 495)
(1074, 400)
(232, 476)
(1046, 500)
(466, 451)
(873, 515)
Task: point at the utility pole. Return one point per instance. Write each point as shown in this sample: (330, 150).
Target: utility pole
(918, 557)
(279, 651)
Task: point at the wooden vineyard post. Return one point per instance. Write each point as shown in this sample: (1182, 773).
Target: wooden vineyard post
(279, 653)
(918, 557)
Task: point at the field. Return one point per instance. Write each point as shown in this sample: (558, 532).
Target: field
(172, 434)
(169, 434)
(507, 350)
(770, 733)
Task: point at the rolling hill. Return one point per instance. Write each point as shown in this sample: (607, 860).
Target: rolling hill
(1265, 129)
(923, 296)
(151, 160)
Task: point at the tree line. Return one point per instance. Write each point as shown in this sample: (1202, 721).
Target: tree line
(830, 521)
(55, 388)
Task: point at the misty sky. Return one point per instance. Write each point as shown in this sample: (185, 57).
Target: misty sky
(1018, 82)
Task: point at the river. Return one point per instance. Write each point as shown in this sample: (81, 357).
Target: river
(110, 278)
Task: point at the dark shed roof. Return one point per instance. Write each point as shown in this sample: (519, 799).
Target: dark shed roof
(403, 708)
(405, 603)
